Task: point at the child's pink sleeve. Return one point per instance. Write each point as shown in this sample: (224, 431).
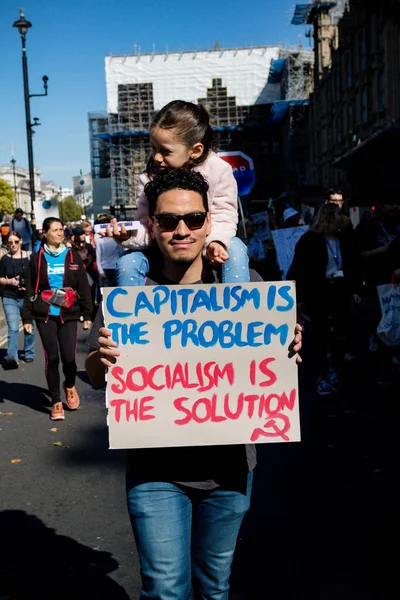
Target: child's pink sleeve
(224, 207)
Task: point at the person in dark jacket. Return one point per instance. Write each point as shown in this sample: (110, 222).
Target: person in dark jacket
(55, 266)
(325, 281)
(12, 284)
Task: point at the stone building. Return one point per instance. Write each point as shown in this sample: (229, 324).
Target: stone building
(354, 117)
(18, 178)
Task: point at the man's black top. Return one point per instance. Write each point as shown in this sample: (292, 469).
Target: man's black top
(201, 467)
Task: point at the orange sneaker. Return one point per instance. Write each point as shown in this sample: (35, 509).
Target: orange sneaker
(57, 412)
(72, 398)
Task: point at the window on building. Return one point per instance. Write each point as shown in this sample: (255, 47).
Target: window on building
(337, 86)
(329, 98)
(381, 91)
(338, 129)
(324, 139)
(349, 75)
(329, 136)
(364, 107)
(362, 51)
(350, 118)
(380, 30)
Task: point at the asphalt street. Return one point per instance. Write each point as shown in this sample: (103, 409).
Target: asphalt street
(320, 525)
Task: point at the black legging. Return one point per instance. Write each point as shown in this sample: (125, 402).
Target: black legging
(59, 339)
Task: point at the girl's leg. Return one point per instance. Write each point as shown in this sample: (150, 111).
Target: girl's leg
(49, 337)
(12, 313)
(29, 338)
(132, 269)
(236, 268)
(67, 338)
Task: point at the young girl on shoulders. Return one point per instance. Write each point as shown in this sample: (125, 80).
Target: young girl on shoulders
(181, 137)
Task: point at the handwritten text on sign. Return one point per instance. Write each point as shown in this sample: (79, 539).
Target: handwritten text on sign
(202, 364)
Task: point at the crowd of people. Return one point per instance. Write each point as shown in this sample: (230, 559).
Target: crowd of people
(51, 288)
(338, 271)
(188, 213)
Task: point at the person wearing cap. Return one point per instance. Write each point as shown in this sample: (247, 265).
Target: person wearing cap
(291, 218)
(21, 224)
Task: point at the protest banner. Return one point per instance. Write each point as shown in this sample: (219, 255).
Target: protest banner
(44, 209)
(202, 365)
(285, 241)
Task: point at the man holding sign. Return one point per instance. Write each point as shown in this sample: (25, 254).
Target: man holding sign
(184, 396)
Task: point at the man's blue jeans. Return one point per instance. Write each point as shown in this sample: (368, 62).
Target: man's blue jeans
(185, 537)
(12, 310)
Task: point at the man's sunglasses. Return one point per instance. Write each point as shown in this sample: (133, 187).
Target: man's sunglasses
(170, 221)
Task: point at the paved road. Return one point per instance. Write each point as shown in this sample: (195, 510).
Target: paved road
(319, 527)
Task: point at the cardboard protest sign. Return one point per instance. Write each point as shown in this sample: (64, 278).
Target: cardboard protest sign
(202, 365)
(285, 241)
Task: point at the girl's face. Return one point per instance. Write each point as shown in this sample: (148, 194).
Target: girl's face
(169, 151)
(55, 234)
(14, 244)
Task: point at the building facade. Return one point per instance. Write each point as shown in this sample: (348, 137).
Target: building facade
(233, 84)
(354, 116)
(50, 189)
(18, 179)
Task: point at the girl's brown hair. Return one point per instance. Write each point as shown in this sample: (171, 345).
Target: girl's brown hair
(324, 217)
(15, 233)
(191, 123)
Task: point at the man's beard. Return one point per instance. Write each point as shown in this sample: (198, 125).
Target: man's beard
(183, 260)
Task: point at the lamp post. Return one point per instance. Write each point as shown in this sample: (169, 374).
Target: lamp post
(60, 211)
(13, 162)
(23, 25)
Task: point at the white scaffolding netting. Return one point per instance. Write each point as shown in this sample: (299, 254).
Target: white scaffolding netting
(187, 75)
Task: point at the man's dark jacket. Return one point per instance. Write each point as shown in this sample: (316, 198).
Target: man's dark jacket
(308, 268)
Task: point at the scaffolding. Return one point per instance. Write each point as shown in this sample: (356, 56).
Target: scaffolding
(223, 110)
(129, 129)
(298, 75)
(228, 82)
(129, 140)
(304, 14)
(99, 148)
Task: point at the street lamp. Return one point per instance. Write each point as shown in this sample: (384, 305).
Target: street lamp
(23, 25)
(13, 162)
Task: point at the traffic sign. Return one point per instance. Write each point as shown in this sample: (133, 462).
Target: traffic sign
(243, 170)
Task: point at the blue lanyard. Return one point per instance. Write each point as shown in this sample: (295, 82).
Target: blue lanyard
(335, 254)
(388, 237)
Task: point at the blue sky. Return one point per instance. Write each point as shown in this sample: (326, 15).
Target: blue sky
(68, 42)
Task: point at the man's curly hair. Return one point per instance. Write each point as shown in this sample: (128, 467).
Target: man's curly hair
(175, 179)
